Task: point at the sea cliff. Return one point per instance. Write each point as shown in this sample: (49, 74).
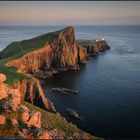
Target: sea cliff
(48, 53)
(61, 52)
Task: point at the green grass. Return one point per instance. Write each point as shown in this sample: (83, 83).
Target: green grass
(55, 121)
(12, 75)
(84, 42)
(7, 129)
(19, 48)
(51, 120)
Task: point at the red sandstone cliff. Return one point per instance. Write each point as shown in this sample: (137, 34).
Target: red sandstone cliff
(32, 92)
(60, 53)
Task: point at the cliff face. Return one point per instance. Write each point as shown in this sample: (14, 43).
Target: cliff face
(32, 61)
(65, 50)
(60, 53)
(82, 54)
(32, 92)
(96, 47)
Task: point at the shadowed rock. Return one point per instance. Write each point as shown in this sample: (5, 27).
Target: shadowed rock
(35, 120)
(2, 78)
(2, 119)
(74, 114)
(65, 90)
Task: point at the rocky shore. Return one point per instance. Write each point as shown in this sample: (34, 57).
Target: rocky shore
(18, 121)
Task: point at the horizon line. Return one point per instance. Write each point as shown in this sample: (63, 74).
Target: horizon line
(74, 25)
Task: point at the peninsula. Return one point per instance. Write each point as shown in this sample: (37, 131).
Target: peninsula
(22, 64)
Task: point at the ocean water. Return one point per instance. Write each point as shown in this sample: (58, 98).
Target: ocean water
(109, 84)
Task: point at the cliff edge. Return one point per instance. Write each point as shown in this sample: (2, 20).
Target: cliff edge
(21, 120)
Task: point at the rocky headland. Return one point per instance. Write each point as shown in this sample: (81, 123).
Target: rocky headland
(42, 57)
(19, 120)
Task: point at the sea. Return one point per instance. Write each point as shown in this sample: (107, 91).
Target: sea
(109, 84)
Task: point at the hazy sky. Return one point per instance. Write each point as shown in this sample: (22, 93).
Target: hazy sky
(69, 12)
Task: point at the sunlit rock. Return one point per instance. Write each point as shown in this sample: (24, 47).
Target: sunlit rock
(25, 114)
(44, 135)
(4, 89)
(35, 120)
(2, 119)
(2, 78)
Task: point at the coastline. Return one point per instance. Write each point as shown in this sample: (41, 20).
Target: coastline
(81, 53)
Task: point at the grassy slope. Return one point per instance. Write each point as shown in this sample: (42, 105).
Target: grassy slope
(55, 121)
(84, 42)
(51, 120)
(12, 75)
(18, 49)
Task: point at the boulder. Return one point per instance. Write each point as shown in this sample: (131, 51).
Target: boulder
(44, 135)
(35, 120)
(4, 89)
(2, 119)
(15, 98)
(56, 134)
(25, 114)
(24, 133)
(2, 78)
(14, 122)
(6, 106)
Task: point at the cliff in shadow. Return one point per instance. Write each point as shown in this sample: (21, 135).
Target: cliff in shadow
(93, 47)
(32, 92)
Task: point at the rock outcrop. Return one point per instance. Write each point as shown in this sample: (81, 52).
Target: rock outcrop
(32, 92)
(4, 89)
(2, 119)
(96, 47)
(14, 105)
(82, 54)
(23, 123)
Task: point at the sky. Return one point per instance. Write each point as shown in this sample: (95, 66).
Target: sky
(69, 12)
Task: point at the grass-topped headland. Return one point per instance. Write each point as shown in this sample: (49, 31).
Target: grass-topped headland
(19, 48)
(56, 121)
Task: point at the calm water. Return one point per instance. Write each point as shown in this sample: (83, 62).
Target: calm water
(109, 84)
